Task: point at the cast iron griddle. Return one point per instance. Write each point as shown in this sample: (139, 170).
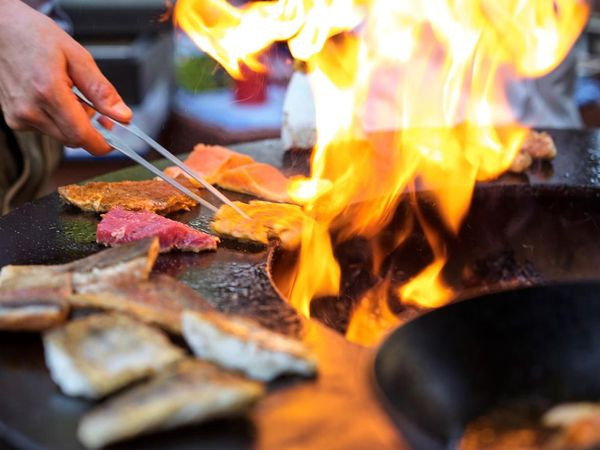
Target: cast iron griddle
(336, 410)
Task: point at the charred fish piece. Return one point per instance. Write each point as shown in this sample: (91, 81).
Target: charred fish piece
(159, 301)
(193, 392)
(98, 354)
(242, 344)
(120, 265)
(35, 302)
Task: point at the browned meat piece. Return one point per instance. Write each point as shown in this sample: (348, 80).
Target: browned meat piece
(98, 354)
(535, 146)
(194, 392)
(267, 221)
(148, 195)
(159, 300)
(34, 302)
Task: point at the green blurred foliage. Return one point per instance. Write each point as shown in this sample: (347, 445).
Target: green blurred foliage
(201, 73)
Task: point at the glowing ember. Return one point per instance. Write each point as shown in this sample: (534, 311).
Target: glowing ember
(447, 63)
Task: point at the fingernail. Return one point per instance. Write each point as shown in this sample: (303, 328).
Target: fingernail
(122, 109)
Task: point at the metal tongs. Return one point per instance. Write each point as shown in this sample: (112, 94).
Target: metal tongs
(121, 146)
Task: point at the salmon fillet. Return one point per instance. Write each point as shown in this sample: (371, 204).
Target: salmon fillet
(148, 195)
(119, 227)
(159, 301)
(236, 172)
(268, 221)
(210, 161)
(240, 343)
(194, 392)
(96, 355)
(258, 179)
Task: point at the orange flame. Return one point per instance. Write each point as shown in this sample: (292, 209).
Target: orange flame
(444, 64)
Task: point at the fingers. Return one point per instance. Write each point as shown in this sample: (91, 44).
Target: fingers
(85, 74)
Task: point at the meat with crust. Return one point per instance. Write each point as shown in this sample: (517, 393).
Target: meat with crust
(148, 195)
(268, 221)
(192, 393)
(98, 354)
(119, 227)
(240, 343)
(159, 301)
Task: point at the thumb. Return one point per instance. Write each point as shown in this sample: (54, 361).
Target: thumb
(86, 76)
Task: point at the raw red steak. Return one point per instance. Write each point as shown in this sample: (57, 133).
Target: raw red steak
(119, 226)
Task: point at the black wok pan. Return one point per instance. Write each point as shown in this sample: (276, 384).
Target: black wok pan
(441, 371)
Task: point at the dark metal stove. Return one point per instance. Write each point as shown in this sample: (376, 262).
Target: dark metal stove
(532, 229)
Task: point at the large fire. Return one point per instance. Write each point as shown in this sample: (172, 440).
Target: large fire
(445, 64)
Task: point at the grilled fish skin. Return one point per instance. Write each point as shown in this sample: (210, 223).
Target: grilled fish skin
(242, 344)
(158, 301)
(120, 265)
(267, 221)
(193, 392)
(34, 303)
(147, 195)
(98, 354)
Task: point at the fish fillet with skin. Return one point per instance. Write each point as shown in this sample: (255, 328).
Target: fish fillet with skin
(147, 195)
(98, 354)
(192, 393)
(34, 302)
(268, 221)
(158, 301)
(119, 226)
(239, 343)
(236, 172)
(36, 297)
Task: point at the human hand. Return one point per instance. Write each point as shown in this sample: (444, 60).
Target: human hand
(39, 64)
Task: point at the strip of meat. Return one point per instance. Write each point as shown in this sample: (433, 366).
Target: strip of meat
(119, 226)
(210, 161)
(98, 354)
(268, 221)
(159, 301)
(120, 265)
(148, 195)
(242, 344)
(35, 302)
(194, 392)
(258, 179)
(236, 172)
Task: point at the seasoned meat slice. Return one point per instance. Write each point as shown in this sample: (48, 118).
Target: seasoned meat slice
(148, 195)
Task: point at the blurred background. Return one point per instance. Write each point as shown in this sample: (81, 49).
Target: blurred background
(181, 97)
